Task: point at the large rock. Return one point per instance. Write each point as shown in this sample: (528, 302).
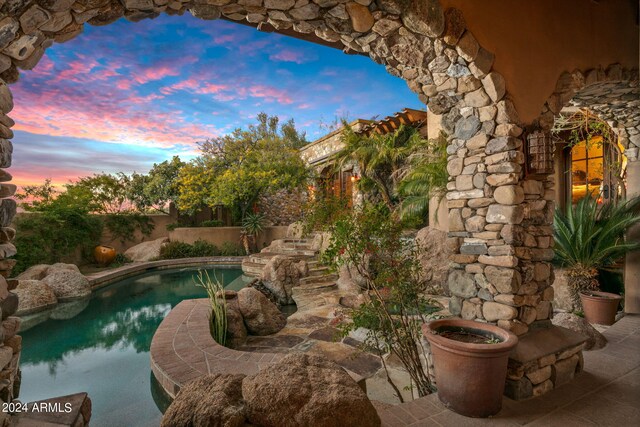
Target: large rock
(561, 295)
(68, 285)
(236, 329)
(306, 390)
(281, 274)
(579, 324)
(261, 316)
(34, 296)
(208, 401)
(434, 256)
(35, 272)
(146, 251)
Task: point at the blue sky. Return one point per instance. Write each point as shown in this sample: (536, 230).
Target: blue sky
(123, 96)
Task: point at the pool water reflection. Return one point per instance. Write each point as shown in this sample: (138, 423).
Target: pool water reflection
(103, 349)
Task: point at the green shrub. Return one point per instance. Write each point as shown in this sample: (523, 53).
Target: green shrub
(231, 249)
(200, 248)
(212, 223)
(120, 260)
(123, 226)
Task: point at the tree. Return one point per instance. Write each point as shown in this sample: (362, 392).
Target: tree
(425, 176)
(235, 169)
(109, 192)
(381, 158)
(156, 190)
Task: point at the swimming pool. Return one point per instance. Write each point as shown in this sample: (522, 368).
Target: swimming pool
(104, 349)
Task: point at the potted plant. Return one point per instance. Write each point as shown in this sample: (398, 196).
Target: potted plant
(587, 238)
(470, 362)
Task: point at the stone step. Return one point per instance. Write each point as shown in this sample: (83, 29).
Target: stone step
(252, 269)
(315, 286)
(331, 277)
(280, 250)
(318, 270)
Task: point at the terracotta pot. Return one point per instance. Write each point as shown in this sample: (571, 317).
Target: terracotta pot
(470, 377)
(104, 255)
(600, 307)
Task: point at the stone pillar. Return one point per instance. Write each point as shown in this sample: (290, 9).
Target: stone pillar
(11, 343)
(499, 220)
(632, 262)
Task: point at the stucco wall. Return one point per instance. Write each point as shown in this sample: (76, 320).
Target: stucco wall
(220, 235)
(535, 41)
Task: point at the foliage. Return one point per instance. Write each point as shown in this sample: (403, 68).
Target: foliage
(252, 225)
(123, 226)
(56, 233)
(218, 315)
(322, 211)
(120, 260)
(590, 236)
(425, 177)
(380, 157)
(371, 241)
(108, 192)
(200, 248)
(582, 126)
(233, 170)
(157, 189)
(212, 223)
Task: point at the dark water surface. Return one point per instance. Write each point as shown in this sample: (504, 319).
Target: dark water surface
(101, 345)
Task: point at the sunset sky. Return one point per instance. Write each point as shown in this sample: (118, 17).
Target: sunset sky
(124, 96)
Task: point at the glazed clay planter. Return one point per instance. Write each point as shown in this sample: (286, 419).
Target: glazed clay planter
(470, 377)
(600, 307)
(104, 255)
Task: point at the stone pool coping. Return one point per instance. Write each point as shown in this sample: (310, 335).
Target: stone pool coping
(105, 278)
(182, 349)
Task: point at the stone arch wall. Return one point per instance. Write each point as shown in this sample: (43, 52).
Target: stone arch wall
(498, 221)
(613, 94)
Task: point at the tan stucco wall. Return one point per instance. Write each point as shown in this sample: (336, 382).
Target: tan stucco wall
(535, 41)
(219, 235)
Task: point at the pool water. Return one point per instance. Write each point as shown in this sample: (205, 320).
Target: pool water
(103, 349)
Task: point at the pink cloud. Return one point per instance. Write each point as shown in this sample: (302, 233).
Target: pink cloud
(270, 94)
(290, 55)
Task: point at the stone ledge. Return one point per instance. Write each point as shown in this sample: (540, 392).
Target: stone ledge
(182, 349)
(541, 342)
(78, 415)
(102, 279)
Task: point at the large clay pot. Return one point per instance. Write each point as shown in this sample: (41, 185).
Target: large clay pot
(470, 377)
(600, 307)
(104, 255)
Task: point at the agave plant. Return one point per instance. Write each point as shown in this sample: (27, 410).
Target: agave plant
(590, 236)
(252, 225)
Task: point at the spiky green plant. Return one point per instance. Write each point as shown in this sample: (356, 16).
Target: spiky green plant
(426, 177)
(252, 225)
(589, 236)
(218, 315)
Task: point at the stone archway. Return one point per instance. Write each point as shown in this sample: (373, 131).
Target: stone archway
(614, 96)
(499, 221)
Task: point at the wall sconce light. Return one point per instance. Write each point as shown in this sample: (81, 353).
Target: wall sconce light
(539, 153)
(355, 177)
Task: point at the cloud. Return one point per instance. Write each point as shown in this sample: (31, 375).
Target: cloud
(291, 55)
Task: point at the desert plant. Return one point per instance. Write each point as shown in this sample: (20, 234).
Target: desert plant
(322, 211)
(371, 241)
(218, 315)
(252, 225)
(590, 236)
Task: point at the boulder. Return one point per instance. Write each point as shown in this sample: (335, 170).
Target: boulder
(434, 257)
(579, 324)
(208, 401)
(561, 296)
(261, 316)
(34, 296)
(281, 274)
(9, 305)
(60, 266)
(68, 285)
(303, 389)
(236, 329)
(35, 272)
(146, 251)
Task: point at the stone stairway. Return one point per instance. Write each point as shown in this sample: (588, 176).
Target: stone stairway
(299, 249)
